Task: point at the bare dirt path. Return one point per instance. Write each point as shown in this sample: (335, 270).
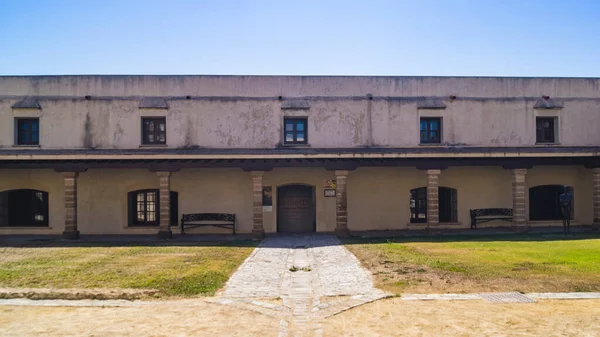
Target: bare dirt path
(394, 317)
(170, 318)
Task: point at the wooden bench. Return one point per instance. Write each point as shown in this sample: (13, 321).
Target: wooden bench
(488, 214)
(221, 220)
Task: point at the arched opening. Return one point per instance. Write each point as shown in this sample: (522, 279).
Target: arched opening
(296, 209)
(447, 204)
(143, 208)
(24, 208)
(544, 202)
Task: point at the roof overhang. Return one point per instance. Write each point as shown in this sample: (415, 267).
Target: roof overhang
(266, 159)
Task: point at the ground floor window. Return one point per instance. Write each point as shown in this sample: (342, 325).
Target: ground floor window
(144, 205)
(544, 202)
(23, 208)
(447, 205)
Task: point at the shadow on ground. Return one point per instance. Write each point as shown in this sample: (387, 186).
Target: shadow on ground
(545, 234)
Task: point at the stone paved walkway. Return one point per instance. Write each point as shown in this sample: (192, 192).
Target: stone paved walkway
(300, 270)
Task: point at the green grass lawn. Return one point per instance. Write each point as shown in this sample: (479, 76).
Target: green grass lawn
(492, 263)
(173, 270)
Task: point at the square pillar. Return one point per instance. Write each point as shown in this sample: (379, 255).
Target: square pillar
(519, 200)
(596, 197)
(341, 204)
(433, 198)
(70, 182)
(164, 230)
(258, 230)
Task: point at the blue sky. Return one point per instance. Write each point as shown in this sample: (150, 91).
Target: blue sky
(302, 37)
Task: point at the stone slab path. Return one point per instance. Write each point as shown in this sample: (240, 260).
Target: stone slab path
(315, 277)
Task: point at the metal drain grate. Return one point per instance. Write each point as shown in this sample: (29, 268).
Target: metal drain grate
(513, 297)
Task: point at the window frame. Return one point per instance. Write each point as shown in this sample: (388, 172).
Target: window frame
(447, 205)
(156, 132)
(19, 131)
(31, 210)
(294, 132)
(132, 211)
(429, 130)
(541, 132)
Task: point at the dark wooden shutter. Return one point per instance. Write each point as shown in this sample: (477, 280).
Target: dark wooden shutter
(131, 208)
(174, 208)
(4, 209)
(447, 204)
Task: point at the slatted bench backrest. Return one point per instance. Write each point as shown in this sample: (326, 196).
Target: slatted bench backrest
(492, 212)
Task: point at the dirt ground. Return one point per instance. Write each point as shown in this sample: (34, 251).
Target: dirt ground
(194, 318)
(394, 317)
(391, 317)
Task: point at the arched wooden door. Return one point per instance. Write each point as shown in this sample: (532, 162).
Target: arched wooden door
(296, 209)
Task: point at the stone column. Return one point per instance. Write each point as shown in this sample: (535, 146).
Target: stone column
(433, 198)
(70, 181)
(341, 204)
(258, 231)
(519, 200)
(164, 230)
(596, 197)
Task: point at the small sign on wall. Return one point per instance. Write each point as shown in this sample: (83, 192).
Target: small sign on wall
(330, 184)
(330, 192)
(267, 199)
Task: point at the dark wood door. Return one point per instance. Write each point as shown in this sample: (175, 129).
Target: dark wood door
(296, 209)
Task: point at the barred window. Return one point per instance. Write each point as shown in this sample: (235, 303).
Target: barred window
(447, 205)
(144, 206)
(545, 132)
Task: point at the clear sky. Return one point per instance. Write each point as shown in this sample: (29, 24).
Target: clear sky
(301, 37)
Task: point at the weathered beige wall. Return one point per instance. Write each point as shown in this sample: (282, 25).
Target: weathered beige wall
(215, 191)
(244, 112)
(43, 180)
(257, 124)
(479, 187)
(378, 198)
(102, 199)
(289, 86)
(200, 191)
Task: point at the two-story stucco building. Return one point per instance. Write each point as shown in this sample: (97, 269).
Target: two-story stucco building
(131, 154)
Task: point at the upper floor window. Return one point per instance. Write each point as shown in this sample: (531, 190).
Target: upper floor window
(144, 206)
(28, 131)
(431, 130)
(154, 131)
(295, 131)
(23, 208)
(545, 131)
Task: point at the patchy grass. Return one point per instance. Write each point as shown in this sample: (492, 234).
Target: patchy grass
(527, 263)
(173, 270)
